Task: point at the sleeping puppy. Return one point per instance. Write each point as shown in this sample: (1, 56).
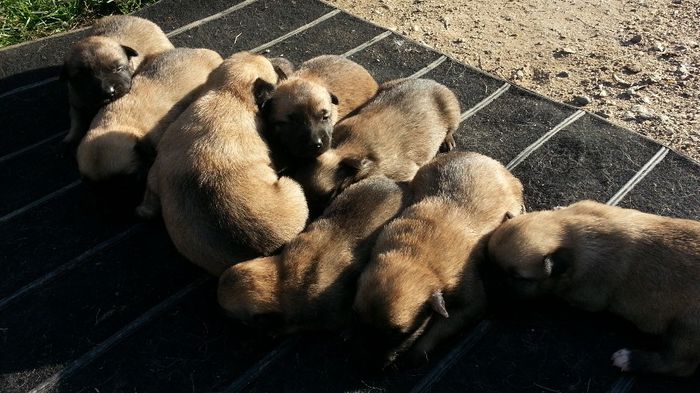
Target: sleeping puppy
(302, 111)
(395, 133)
(643, 267)
(99, 68)
(109, 156)
(311, 284)
(222, 201)
(422, 283)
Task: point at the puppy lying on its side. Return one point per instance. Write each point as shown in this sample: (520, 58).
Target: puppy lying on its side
(108, 156)
(395, 133)
(99, 68)
(422, 283)
(222, 201)
(311, 284)
(643, 267)
(303, 109)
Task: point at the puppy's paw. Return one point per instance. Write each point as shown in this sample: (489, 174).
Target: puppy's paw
(621, 359)
(448, 144)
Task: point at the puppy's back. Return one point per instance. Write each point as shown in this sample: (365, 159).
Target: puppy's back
(138, 33)
(342, 77)
(420, 112)
(480, 184)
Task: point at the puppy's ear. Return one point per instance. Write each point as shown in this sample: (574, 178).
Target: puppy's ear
(283, 67)
(437, 303)
(334, 99)
(558, 262)
(130, 52)
(262, 91)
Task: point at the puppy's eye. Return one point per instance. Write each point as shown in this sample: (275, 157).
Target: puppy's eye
(325, 115)
(120, 68)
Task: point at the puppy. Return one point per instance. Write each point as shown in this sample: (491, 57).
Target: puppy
(643, 267)
(99, 68)
(222, 201)
(395, 133)
(422, 283)
(109, 153)
(302, 111)
(311, 284)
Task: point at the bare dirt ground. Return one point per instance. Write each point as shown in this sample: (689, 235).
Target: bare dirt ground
(635, 62)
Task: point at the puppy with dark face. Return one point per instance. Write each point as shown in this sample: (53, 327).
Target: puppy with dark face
(311, 284)
(302, 111)
(643, 267)
(422, 283)
(395, 133)
(99, 68)
(108, 156)
(222, 202)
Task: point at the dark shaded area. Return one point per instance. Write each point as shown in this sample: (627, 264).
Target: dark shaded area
(189, 345)
(538, 348)
(38, 241)
(654, 384)
(324, 39)
(672, 189)
(590, 159)
(32, 115)
(394, 57)
(327, 362)
(34, 174)
(55, 325)
(509, 124)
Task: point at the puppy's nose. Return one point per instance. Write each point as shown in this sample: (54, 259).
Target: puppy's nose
(317, 144)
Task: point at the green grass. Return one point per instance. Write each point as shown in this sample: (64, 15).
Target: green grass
(22, 20)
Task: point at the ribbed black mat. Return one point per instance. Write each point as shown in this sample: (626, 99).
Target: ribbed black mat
(93, 305)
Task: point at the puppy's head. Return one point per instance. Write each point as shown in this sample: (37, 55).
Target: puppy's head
(251, 77)
(112, 164)
(301, 114)
(395, 304)
(98, 70)
(248, 293)
(531, 252)
(331, 173)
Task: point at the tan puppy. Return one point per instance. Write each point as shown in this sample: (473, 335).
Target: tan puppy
(394, 134)
(99, 68)
(166, 86)
(311, 284)
(222, 201)
(301, 114)
(422, 284)
(643, 267)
